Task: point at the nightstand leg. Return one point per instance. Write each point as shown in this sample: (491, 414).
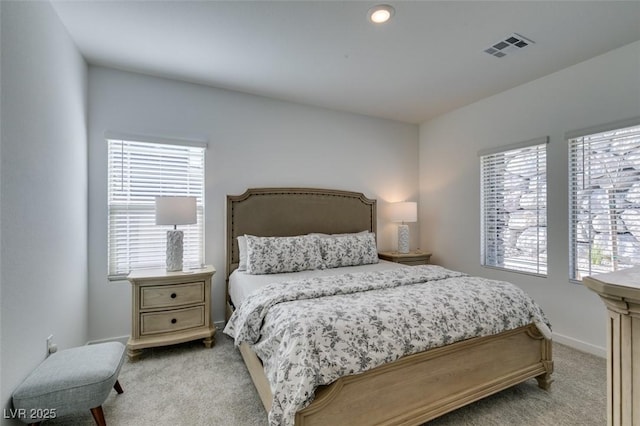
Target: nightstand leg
(209, 341)
(134, 354)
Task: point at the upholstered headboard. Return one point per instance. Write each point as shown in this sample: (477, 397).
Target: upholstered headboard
(281, 212)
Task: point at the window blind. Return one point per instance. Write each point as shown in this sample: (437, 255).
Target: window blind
(514, 208)
(139, 172)
(604, 201)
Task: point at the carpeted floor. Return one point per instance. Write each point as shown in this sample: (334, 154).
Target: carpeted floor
(191, 385)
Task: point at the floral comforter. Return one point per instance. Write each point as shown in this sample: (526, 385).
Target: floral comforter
(311, 332)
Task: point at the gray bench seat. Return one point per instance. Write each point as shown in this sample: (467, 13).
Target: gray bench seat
(69, 381)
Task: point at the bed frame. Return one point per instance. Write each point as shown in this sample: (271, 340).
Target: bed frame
(413, 389)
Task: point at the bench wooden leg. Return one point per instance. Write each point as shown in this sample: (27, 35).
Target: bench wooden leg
(98, 416)
(117, 387)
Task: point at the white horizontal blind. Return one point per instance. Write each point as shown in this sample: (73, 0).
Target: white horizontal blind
(138, 172)
(514, 209)
(604, 201)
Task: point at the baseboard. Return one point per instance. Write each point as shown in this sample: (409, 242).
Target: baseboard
(580, 345)
(121, 339)
(124, 339)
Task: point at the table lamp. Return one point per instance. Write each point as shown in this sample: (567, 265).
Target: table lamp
(404, 212)
(175, 211)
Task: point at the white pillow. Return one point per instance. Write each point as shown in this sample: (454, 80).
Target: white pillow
(242, 250)
(349, 250)
(273, 255)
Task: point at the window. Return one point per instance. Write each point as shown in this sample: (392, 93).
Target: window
(138, 172)
(604, 199)
(514, 207)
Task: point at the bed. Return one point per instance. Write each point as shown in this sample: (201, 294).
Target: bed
(409, 390)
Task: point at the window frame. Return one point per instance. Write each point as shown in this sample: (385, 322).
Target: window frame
(130, 198)
(486, 157)
(574, 270)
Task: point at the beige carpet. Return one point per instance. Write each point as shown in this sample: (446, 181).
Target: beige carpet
(191, 385)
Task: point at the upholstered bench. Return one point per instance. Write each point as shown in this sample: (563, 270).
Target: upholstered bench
(69, 381)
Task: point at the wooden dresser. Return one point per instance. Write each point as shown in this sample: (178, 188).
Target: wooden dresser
(620, 292)
(169, 308)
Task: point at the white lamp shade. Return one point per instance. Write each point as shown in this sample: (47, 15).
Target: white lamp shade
(404, 212)
(175, 210)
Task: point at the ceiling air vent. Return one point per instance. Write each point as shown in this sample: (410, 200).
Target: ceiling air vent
(510, 44)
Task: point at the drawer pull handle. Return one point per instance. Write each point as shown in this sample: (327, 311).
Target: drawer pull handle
(173, 295)
(173, 321)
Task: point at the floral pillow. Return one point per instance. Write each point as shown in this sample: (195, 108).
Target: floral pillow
(273, 255)
(349, 250)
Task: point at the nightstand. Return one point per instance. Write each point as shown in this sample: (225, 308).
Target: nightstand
(169, 308)
(411, 258)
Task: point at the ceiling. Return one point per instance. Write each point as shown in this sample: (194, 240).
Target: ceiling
(429, 59)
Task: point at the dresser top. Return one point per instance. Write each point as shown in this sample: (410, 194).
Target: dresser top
(624, 283)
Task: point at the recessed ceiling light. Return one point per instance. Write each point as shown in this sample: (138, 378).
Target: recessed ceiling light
(381, 13)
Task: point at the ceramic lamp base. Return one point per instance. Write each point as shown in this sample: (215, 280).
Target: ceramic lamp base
(174, 250)
(403, 238)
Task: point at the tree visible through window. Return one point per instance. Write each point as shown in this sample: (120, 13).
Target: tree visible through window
(139, 172)
(514, 207)
(604, 191)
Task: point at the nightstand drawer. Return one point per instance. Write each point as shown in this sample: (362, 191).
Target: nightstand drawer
(166, 322)
(169, 296)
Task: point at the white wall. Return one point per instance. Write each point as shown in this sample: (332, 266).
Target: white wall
(601, 90)
(253, 142)
(3, 402)
(43, 177)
